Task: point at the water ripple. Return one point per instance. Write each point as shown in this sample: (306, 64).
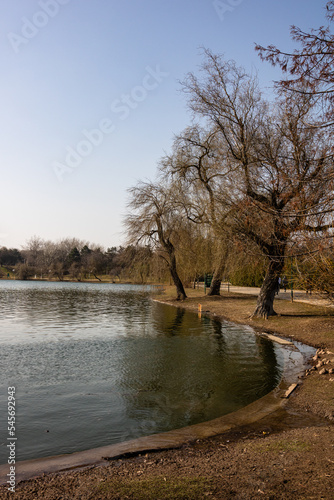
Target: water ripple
(95, 364)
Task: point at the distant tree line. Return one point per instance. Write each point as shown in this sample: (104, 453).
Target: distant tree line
(78, 260)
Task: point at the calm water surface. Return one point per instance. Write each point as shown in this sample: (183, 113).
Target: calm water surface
(96, 364)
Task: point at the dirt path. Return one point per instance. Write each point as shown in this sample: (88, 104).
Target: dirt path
(286, 455)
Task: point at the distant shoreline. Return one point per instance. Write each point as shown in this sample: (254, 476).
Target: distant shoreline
(85, 281)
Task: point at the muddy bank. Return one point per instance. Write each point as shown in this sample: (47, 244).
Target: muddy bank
(288, 454)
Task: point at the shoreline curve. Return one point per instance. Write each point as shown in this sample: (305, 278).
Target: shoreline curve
(260, 408)
(29, 469)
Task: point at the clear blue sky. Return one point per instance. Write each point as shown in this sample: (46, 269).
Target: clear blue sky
(70, 67)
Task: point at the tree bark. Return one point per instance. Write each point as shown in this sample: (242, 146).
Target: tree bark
(218, 275)
(215, 285)
(169, 247)
(265, 301)
(181, 294)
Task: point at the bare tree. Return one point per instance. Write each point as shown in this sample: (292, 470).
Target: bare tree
(282, 172)
(309, 69)
(198, 162)
(32, 251)
(154, 219)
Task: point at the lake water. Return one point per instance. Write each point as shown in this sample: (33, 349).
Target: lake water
(96, 364)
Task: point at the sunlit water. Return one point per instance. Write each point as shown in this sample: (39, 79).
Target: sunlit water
(96, 364)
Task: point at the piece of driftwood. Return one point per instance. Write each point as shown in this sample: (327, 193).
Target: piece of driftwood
(290, 390)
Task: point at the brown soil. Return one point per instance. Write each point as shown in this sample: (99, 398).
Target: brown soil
(287, 455)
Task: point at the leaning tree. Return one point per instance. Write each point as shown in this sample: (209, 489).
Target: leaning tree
(154, 218)
(198, 163)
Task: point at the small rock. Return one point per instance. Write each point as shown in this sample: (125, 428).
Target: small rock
(323, 371)
(331, 370)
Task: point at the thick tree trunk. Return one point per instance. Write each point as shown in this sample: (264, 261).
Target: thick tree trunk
(169, 247)
(265, 301)
(218, 275)
(181, 294)
(215, 285)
